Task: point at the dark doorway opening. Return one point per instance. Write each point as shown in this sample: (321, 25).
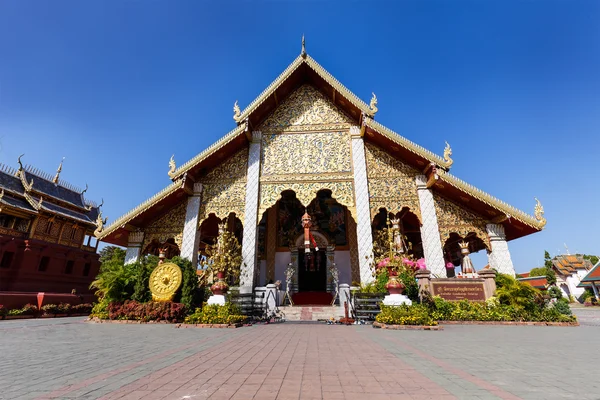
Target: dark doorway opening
(312, 271)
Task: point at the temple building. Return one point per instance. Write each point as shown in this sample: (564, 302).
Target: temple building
(47, 230)
(307, 144)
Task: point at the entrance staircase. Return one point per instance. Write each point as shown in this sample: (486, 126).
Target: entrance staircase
(311, 312)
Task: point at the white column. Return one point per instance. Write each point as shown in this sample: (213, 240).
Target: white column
(191, 230)
(430, 231)
(499, 258)
(134, 247)
(595, 289)
(363, 213)
(249, 244)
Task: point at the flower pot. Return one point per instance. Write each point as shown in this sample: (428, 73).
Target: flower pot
(220, 287)
(394, 286)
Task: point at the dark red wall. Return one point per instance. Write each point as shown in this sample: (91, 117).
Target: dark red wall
(23, 274)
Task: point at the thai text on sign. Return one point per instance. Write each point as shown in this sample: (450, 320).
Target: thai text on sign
(454, 291)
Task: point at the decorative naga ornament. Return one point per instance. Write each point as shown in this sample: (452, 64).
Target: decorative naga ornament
(172, 167)
(466, 264)
(538, 212)
(164, 281)
(306, 224)
(373, 105)
(58, 171)
(447, 155)
(99, 223)
(236, 112)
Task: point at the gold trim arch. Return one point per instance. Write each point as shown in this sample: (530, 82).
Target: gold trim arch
(342, 192)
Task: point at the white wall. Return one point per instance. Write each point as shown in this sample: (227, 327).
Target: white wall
(342, 261)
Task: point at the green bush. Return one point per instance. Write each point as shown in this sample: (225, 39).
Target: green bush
(539, 271)
(50, 309)
(100, 309)
(562, 306)
(189, 294)
(141, 291)
(555, 292)
(417, 314)
(215, 314)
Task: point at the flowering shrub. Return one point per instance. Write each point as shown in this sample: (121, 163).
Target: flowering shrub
(85, 308)
(50, 309)
(63, 308)
(151, 311)
(3, 311)
(215, 314)
(29, 309)
(417, 314)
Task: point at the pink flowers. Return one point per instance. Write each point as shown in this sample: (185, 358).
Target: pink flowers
(383, 263)
(421, 263)
(449, 265)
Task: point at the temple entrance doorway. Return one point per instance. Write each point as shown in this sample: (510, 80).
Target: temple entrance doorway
(312, 271)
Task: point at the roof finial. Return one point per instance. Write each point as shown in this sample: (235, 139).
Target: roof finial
(373, 105)
(85, 190)
(303, 53)
(20, 164)
(447, 155)
(236, 112)
(172, 167)
(58, 171)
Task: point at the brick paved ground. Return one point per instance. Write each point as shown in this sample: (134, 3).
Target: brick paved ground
(68, 358)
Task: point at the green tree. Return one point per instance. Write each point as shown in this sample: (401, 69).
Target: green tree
(593, 259)
(115, 281)
(189, 294)
(142, 289)
(110, 252)
(538, 271)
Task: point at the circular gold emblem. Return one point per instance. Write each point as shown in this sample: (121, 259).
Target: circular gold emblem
(164, 281)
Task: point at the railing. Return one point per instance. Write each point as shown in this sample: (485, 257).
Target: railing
(366, 305)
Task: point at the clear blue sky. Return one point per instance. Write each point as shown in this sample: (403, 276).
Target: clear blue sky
(118, 86)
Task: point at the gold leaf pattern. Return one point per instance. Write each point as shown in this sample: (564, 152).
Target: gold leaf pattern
(305, 110)
(392, 183)
(169, 225)
(309, 153)
(454, 218)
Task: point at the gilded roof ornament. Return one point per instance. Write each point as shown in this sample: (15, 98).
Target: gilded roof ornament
(20, 164)
(303, 52)
(39, 204)
(236, 112)
(447, 155)
(58, 171)
(2, 194)
(172, 167)
(538, 212)
(373, 105)
(99, 224)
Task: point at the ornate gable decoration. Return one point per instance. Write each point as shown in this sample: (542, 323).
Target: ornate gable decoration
(306, 110)
(454, 218)
(225, 188)
(392, 183)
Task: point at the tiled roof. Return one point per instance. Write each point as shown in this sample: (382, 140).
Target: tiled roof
(593, 275)
(568, 264)
(16, 202)
(55, 209)
(538, 282)
(58, 191)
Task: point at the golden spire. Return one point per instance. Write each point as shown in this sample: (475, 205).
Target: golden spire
(172, 167)
(447, 154)
(303, 53)
(58, 171)
(236, 112)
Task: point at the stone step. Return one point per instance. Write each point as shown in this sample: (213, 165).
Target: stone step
(311, 313)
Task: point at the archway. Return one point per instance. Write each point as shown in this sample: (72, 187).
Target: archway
(452, 250)
(209, 232)
(280, 226)
(410, 228)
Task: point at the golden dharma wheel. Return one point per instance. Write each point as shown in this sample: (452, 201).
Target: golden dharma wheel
(164, 281)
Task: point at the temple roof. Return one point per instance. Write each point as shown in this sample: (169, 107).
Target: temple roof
(569, 263)
(305, 70)
(22, 189)
(538, 282)
(592, 276)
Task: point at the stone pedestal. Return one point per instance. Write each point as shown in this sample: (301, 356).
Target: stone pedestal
(271, 297)
(423, 279)
(396, 300)
(489, 281)
(218, 299)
